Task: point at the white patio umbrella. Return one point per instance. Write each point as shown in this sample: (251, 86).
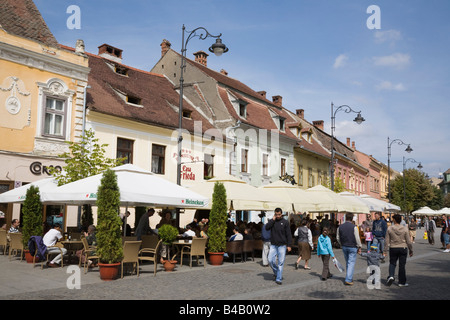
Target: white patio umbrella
(387, 207)
(297, 197)
(138, 187)
(444, 211)
(425, 211)
(18, 195)
(240, 195)
(329, 201)
(372, 206)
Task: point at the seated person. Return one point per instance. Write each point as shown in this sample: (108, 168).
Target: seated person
(189, 232)
(248, 234)
(50, 239)
(14, 226)
(237, 235)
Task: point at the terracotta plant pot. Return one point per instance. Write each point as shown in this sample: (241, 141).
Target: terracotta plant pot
(216, 258)
(29, 257)
(108, 271)
(169, 265)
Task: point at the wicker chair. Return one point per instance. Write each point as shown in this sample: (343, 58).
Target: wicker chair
(16, 244)
(149, 241)
(234, 248)
(248, 247)
(150, 254)
(88, 253)
(3, 240)
(197, 248)
(131, 254)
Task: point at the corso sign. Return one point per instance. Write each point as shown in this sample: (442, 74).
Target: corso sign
(37, 168)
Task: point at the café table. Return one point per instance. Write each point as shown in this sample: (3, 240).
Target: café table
(72, 247)
(179, 244)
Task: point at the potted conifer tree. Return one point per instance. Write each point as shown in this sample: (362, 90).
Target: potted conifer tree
(109, 241)
(32, 218)
(217, 225)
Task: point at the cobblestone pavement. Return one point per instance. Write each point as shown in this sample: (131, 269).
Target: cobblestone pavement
(427, 275)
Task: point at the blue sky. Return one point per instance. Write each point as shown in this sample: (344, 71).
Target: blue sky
(310, 52)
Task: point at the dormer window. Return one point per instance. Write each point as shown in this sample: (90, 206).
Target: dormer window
(133, 100)
(121, 70)
(243, 109)
(282, 124)
(187, 114)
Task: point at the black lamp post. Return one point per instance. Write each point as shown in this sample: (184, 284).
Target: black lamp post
(359, 119)
(404, 182)
(408, 149)
(217, 48)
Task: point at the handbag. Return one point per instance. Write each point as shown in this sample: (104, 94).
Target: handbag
(338, 265)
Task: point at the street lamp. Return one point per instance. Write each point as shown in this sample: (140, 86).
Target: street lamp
(359, 119)
(217, 48)
(408, 149)
(404, 183)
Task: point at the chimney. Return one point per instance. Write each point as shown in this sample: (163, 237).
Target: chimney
(79, 46)
(318, 124)
(348, 142)
(201, 57)
(165, 46)
(277, 100)
(300, 113)
(110, 53)
(224, 72)
(353, 145)
(262, 94)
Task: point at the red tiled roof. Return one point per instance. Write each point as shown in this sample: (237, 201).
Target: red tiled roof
(159, 100)
(22, 18)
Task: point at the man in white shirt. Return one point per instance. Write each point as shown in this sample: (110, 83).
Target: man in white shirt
(50, 239)
(189, 232)
(237, 235)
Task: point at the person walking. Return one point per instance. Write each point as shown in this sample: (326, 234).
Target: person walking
(305, 244)
(265, 237)
(412, 229)
(399, 242)
(280, 240)
(325, 251)
(430, 227)
(379, 228)
(348, 238)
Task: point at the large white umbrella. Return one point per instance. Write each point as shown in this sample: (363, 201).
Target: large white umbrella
(425, 211)
(444, 211)
(329, 201)
(291, 194)
(240, 195)
(138, 187)
(372, 205)
(385, 205)
(18, 195)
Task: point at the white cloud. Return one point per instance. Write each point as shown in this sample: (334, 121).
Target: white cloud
(387, 85)
(388, 35)
(397, 60)
(340, 61)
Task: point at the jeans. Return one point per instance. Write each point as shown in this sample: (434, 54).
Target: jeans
(399, 254)
(350, 261)
(379, 241)
(58, 258)
(265, 253)
(277, 267)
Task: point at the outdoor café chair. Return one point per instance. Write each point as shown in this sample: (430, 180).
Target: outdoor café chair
(128, 238)
(55, 253)
(234, 248)
(88, 253)
(150, 254)
(16, 244)
(131, 254)
(3, 240)
(248, 247)
(197, 248)
(149, 241)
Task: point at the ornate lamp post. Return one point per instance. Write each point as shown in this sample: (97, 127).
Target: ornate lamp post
(404, 180)
(217, 48)
(359, 119)
(408, 149)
